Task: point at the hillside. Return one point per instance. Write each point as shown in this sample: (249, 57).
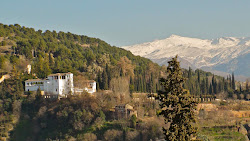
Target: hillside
(51, 52)
(226, 55)
(119, 74)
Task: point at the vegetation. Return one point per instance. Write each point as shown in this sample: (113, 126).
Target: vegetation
(221, 134)
(178, 106)
(27, 116)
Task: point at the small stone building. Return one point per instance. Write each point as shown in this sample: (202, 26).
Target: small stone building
(124, 111)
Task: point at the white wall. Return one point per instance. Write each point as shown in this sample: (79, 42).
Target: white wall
(34, 87)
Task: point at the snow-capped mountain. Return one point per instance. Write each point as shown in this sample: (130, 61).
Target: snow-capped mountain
(228, 54)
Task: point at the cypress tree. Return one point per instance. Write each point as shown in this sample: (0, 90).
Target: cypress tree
(189, 72)
(230, 82)
(247, 87)
(210, 89)
(109, 74)
(178, 104)
(99, 81)
(131, 85)
(199, 79)
(105, 80)
(207, 85)
(121, 72)
(215, 87)
(226, 85)
(233, 82)
(203, 86)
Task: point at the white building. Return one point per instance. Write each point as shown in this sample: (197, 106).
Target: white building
(59, 85)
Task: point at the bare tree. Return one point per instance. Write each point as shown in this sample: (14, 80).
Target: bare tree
(120, 87)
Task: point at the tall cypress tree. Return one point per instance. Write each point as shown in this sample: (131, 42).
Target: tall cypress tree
(99, 81)
(105, 80)
(210, 89)
(203, 86)
(207, 85)
(189, 72)
(108, 74)
(178, 104)
(233, 82)
(199, 79)
(226, 85)
(230, 82)
(247, 87)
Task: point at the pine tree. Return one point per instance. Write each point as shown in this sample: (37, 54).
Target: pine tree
(177, 104)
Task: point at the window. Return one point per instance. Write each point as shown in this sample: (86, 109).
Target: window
(56, 90)
(28, 90)
(63, 77)
(60, 77)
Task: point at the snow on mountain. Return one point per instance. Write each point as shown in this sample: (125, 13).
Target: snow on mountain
(199, 53)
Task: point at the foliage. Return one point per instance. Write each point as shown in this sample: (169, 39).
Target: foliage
(221, 134)
(52, 52)
(84, 118)
(178, 107)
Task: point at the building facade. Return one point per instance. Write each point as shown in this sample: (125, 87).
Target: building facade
(59, 84)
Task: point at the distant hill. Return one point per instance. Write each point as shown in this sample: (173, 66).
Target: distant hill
(221, 56)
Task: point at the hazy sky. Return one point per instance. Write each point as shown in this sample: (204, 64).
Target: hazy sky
(127, 22)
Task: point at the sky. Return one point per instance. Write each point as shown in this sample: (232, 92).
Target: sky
(128, 22)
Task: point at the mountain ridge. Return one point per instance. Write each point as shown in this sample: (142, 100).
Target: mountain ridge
(221, 54)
